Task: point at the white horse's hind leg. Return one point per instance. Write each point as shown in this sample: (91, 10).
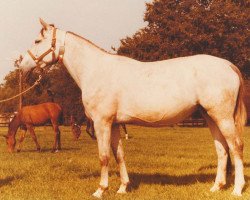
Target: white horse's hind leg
(229, 130)
(103, 130)
(222, 150)
(117, 149)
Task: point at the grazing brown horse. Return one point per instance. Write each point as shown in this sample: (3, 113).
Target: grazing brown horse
(35, 115)
(76, 128)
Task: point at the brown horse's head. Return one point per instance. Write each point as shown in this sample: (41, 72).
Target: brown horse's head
(11, 136)
(11, 142)
(75, 128)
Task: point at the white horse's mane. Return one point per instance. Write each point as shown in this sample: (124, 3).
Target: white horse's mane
(88, 41)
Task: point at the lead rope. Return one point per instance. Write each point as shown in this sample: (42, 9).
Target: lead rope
(28, 89)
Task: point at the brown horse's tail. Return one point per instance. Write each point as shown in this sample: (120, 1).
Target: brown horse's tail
(240, 114)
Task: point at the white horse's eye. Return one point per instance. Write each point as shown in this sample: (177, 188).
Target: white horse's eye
(37, 41)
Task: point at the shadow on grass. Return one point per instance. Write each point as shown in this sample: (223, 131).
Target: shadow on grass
(90, 175)
(45, 150)
(207, 167)
(246, 164)
(8, 180)
(163, 179)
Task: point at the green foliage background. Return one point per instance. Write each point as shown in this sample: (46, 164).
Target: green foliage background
(186, 27)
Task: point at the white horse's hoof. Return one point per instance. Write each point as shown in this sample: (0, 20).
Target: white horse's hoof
(122, 189)
(237, 192)
(215, 188)
(97, 194)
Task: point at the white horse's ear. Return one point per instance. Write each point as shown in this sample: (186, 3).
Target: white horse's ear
(44, 24)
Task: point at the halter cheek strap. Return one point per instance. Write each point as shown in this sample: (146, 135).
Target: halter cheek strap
(61, 54)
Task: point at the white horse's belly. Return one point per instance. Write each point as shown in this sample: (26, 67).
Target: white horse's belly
(157, 118)
(156, 107)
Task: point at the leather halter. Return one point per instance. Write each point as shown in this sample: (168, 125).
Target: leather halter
(39, 60)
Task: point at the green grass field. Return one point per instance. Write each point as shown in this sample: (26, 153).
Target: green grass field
(163, 163)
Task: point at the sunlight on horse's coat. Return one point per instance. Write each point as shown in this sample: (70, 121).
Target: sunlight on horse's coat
(117, 89)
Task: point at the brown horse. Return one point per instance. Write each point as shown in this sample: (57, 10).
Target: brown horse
(76, 128)
(35, 115)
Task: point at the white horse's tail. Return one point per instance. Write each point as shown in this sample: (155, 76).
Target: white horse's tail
(240, 114)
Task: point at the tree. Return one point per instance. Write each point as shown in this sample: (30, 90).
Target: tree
(186, 27)
(56, 85)
(10, 88)
(65, 91)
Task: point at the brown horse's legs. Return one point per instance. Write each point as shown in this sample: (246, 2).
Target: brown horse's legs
(23, 134)
(90, 129)
(125, 130)
(33, 135)
(57, 141)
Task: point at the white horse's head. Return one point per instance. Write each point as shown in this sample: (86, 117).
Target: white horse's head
(45, 50)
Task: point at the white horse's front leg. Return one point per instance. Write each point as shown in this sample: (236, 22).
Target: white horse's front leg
(103, 130)
(117, 149)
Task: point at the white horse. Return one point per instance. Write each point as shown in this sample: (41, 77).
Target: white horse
(117, 89)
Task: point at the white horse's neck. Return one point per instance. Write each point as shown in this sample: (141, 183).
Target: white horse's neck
(81, 57)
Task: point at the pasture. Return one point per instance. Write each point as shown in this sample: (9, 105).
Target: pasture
(163, 163)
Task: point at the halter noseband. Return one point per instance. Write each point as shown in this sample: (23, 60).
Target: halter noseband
(39, 60)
